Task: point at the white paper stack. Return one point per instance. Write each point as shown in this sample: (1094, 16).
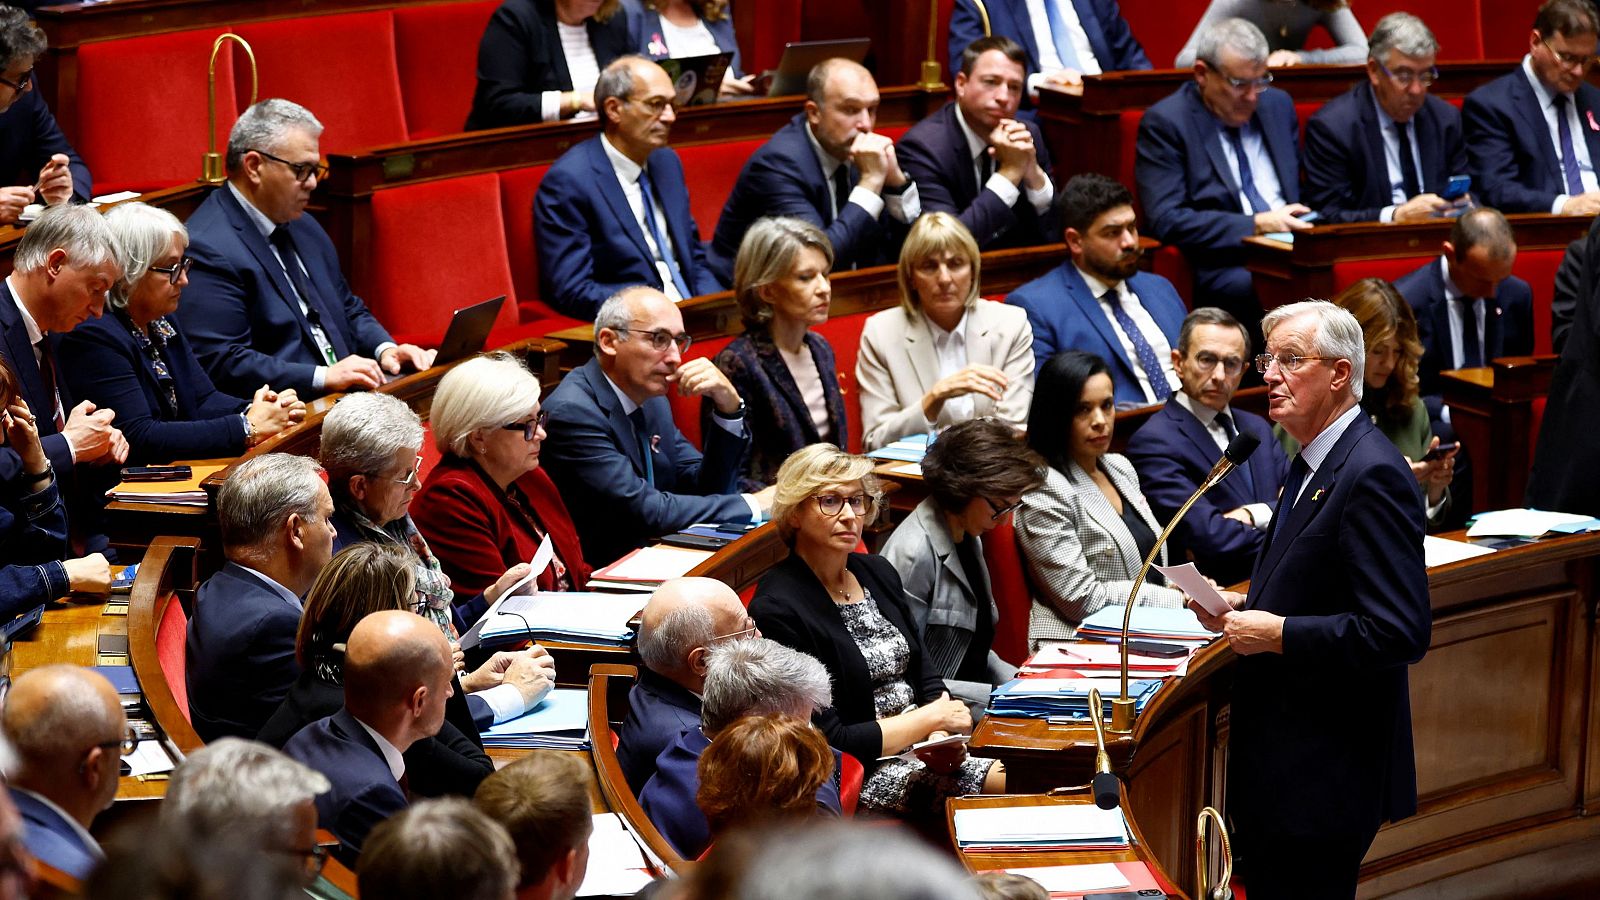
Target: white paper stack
(644, 569)
(559, 722)
(1067, 826)
(617, 866)
(583, 618)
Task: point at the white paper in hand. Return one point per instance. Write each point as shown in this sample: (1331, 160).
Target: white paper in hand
(1188, 579)
(540, 562)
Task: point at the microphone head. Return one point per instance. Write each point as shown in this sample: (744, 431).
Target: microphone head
(1107, 791)
(1240, 448)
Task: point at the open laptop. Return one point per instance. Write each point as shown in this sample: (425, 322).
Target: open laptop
(469, 330)
(799, 57)
(697, 79)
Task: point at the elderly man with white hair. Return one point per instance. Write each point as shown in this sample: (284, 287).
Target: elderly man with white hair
(134, 361)
(1338, 608)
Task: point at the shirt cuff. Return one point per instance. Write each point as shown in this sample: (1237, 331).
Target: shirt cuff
(1435, 509)
(734, 427)
(1034, 81)
(70, 449)
(1387, 216)
(1261, 513)
(1561, 200)
(905, 206)
(378, 351)
(1042, 198)
(867, 200)
(505, 701)
(550, 106)
(319, 378)
(1002, 187)
(755, 508)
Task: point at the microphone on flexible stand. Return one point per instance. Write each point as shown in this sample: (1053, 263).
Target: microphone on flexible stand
(1239, 450)
(1107, 790)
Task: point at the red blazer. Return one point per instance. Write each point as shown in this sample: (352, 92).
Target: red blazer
(478, 533)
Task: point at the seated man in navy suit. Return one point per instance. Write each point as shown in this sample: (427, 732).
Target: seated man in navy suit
(397, 677)
(625, 471)
(275, 516)
(1098, 300)
(614, 210)
(1385, 150)
(1065, 39)
(267, 302)
(684, 617)
(1174, 451)
(37, 165)
(1197, 194)
(70, 734)
(745, 678)
(828, 167)
(1533, 140)
(975, 160)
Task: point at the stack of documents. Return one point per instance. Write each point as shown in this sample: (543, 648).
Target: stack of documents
(1149, 623)
(908, 449)
(580, 618)
(617, 864)
(1528, 523)
(174, 493)
(1094, 657)
(1087, 878)
(1064, 698)
(559, 722)
(1067, 826)
(644, 569)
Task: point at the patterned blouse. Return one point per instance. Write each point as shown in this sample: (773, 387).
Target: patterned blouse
(886, 652)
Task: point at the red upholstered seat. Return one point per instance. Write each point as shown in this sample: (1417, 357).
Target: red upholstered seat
(710, 171)
(132, 141)
(354, 88)
(1128, 126)
(171, 634)
(686, 410)
(1170, 263)
(844, 335)
(851, 773)
(436, 48)
(517, 187)
(1163, 27)
(1009, 581)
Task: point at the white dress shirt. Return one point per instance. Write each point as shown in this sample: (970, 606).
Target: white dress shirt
(1147, 327)
(391, 754)
(905, 206)
(950, 347)
(1580, 145)
(582, 66)
(1260, 513)
(686, 42)
(1261, 167)
(35, 336)
(628, 173)
(1390, 129)
(1458, 322)
(1001, 186)
(1049, 60)
(1317, 451)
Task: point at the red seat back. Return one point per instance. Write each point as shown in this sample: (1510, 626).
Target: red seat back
(1162, 28)
(1170, 263)
(1009, 582)
(851, 773)
(436, 49)
(844, 335)
(1505, 29)
(517, 187)
(171, 634)
(710, 171)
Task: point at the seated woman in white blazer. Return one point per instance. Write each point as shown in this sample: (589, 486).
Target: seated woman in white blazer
(943, 356)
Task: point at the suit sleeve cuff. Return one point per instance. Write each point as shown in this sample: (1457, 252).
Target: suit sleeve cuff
(55, 579)
(734, 427)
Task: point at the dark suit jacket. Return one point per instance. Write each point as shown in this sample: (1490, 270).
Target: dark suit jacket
(1109, 35)
(1065, 316)
(778, 418)
(16, 348)
(1507, 324)
(594, 458)
(647, 39)
(1568, 453)
(52, 840)
(1173, 453)
(1190, 193)
(1515, 165)
(792, 607)
(520, 56)
(659, 710)
(29, 136)
(364, 792)
(783, 178)
(1345, 567)
(240, 651)
(1347, 177)
(1564, 294)
(590, 245)
(33, 541)
(934, 155)
(241, 314)
(103, 363)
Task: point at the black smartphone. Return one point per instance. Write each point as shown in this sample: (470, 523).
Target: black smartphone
(1439, 451)
(1159, 649)
(157, 473)
(696, 541)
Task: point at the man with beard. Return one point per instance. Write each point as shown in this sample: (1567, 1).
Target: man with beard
(1098, 300)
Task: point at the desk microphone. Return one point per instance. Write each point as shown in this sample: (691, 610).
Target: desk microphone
(1107, 790)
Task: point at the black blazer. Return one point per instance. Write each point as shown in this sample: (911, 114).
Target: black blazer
(1507, 324)
(776, 414)
(29, 136)
(1515, 166)
(520, 57)
(18, 350)
(1568, 453)
(364, 791)
(1347, 177)
(240, 652)
(792, 607)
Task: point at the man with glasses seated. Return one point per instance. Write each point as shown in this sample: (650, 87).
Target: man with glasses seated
(268, 303)
(614, 210)
(37, 165)
(1533, 136)
(1218, 162)
(1385, 150)
(69, 732)
(624, 470)
(1174, 451)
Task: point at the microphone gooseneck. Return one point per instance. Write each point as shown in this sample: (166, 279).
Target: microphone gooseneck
(1107, 790)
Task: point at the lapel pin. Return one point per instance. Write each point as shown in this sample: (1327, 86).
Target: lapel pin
(1317, 494)
(1593, 125)
(655, 443)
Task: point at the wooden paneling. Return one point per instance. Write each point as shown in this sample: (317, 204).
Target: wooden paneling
(1492, 411)
(1168, 777)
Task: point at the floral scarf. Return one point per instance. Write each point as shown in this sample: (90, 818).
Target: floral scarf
(153, 344)
(433, 585)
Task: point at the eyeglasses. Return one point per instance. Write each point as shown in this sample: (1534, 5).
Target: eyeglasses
(177, 270)
(1406, 77)
(656, 105)
(833, 504)
(1569, 60)
(412, 476)
(23, 84)
(128, 743)
(749, 627)
(313, 858)
(1241, 85)
(1205, 362)
(530, 428)
(1001, 511)
(661, 338)
(301, 171)
(1287, 362)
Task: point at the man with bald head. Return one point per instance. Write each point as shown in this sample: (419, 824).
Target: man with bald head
(684, 618)
(69, 733)
(397, 673)
(625, 471)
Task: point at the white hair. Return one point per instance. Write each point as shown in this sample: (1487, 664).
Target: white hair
(484, 392)
(265, 125)
(1239, 35)
(843, 860)
(79, 230)
(143, 234)
(1338, 335)
(363, 432)
(243, 788)
(756, 676)
(1404, 32)
(262, 493)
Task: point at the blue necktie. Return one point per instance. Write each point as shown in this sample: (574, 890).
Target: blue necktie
(1061, 35)
(1471, 347)
(1291, 489)
(317, 312)
(1409, 179)
(1569, 156)
(639, 431)
(663, 244)
(1244, 470)
(1141, 347)
(1247, 178)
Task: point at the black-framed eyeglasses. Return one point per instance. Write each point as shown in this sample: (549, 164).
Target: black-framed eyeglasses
(1406, 77)
(177, 270)
(1566, 59)
(314, 858)
(1205, 362)
(661, 338)
(23, 85)
(412, 476)
(301, 171)
(128, 743)
(530, 428)
(1000, 512)
(833, 504)
(1287, 362)
(656, 105)
(1243, 84)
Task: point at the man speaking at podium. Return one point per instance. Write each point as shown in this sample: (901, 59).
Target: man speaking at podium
(1319, 752)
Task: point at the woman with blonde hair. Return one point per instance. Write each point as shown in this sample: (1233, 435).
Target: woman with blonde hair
(943, 355)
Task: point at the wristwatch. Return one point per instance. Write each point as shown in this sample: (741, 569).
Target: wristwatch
(733, 416)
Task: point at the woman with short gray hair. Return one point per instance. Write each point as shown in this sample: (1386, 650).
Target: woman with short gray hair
(133, 359)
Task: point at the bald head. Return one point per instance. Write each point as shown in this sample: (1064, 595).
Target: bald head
(67, 726)
(841, 104)
(397, 668)
(682, 619)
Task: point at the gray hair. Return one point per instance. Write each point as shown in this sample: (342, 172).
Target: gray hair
(1338, 335)
(484, 392)
(1239, 35)
(79, 230)
(19, 37)
(262, 493)
(1403, 32)
(616, 313)
(850, 861)
(616, 80)
(362, 434)
(756, 676)
(264, 125)
(439, 848)
(664, 649)
(241, 787)
(143, 234)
